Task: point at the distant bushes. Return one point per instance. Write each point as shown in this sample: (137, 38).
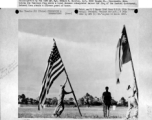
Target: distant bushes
(122, 102)
(87, 100)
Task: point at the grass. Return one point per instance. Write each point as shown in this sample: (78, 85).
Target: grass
(70, 112)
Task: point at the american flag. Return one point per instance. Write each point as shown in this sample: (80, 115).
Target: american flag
(54, 69)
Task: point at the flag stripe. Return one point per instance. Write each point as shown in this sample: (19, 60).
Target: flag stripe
(41, 98)
(55, 69)
(43, 88)
(54, 79)
(50, 68)
(54, 73)
(42, 92)
(44, 79)
(55, 64)
(44, 82)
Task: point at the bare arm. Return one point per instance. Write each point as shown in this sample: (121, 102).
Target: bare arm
(68, 92)
(103, 97)
(65, 82)
(64, 85)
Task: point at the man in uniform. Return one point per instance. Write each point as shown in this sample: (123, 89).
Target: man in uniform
(132, 102)
(106, 98)
(60, 107)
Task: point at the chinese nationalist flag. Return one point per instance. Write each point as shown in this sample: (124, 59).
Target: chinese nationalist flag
(123, 54)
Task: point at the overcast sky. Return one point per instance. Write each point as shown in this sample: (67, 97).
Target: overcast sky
(87, 48)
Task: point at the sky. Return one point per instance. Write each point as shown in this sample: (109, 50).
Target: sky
(145, 69)
(87, 48)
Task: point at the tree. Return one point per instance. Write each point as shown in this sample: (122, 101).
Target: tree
(26, 100)
(71, 99)
(35, 102)
(88, 99)
(31, 100)
(54, 101)
(96, 101)
(22, 99)
(123, 102)
(113, 102)
(81, 101)
(19, 99)
(48, 101)
(96, 98)
(23, 96)
(66, 102)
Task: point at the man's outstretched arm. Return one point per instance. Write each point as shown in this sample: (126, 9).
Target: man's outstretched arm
(65, 82)
(68, 92)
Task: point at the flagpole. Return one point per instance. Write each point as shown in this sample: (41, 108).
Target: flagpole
(73, 92)
(134, 75)
(132, 66)
(70, 84)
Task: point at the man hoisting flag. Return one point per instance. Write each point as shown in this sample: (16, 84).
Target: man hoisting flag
(54, 69)
(60, 106)
(123, 55)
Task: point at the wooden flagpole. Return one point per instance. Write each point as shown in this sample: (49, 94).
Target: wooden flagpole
(132, 66)
(70, 85)
(73, 92)
(134, 76)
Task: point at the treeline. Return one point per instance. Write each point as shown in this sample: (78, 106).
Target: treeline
(86, 100)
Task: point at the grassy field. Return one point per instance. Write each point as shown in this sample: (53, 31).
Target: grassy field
(70, 112)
